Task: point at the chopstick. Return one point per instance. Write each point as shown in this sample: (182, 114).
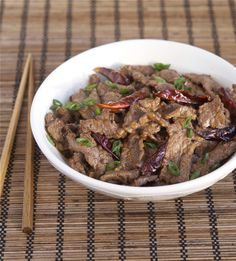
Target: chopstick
(27, 215)
(13, 124)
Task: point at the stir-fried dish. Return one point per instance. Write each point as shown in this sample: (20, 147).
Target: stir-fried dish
(145, 125)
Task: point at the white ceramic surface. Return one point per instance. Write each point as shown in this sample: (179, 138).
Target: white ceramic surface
(73, 74)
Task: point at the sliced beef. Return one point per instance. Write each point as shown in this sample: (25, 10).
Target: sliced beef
(78, 96)
(89, 112)
(213, 114)
(77, 162)
(177, 111)
(145, 180)
(93, 78)
(103, 124)
(132, 152)
(111, 96)
(146, 70)
(177, 146)
(55, 128)
(125, 177)
(64, 114)
(169, 75)
(209, 85)
(149, 130)
(95, 155)
(219, 153)
(160, 86)
(138, 114)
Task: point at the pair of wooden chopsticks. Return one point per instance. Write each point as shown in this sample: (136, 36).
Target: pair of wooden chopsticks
(26, 80)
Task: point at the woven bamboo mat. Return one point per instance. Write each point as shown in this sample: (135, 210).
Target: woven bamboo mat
(70, 222)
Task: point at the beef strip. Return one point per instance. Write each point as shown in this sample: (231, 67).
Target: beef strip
(146, 70)
(77, 162)
(177, 146)
(209, 85)
(138, 114)
(149, 130)
(213, 114)
(95, 155)
(219, 153)
(78, 96)
(169, 75)
(64, 114)
(144, 180)
(132, 152)
(111, 97)
(93, 78)
(103, 124)
(89, 112)
(177, 111)
(125, 177)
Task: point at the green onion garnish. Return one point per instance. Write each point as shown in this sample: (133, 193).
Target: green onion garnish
(50, 139)
(195, 174)
(125, 91)
(73, 106)
(111, 85)
(159, 79)
(55, 105)
(173, 168)
(205, 158)
(112, 165)
(189, 133)
(179, 83)
(90, 87)
(187, 122)
(98, 111)
(160, 66)
(85, 142)
(116, 147)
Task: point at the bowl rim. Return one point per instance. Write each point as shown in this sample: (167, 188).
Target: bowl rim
(93, 183)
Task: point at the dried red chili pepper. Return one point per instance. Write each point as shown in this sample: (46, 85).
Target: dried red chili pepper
(182, 96)
(113, 76)
(151, 165)
(105, 143)
(228, 102)
(125, 102)
(223, 134)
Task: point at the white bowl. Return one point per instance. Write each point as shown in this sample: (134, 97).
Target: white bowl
(73, 74)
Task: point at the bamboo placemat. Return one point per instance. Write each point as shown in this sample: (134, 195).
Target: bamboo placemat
(70, 222)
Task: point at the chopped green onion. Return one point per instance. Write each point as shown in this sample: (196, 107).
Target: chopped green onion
(150, 144)
(116, 147)
(50, 139)
(160, 66)
(112, 165)
(195, 174)
(55, 105)
(205, 158)
(159, 79)
(73, 106)
(85, 142)
(189, 133)
(98, 111)
(187, 122)
(173, 168)
(111, 85)
(89, 102)
(179, 83)
(90, 87)
(125, 91)
(187, 88)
